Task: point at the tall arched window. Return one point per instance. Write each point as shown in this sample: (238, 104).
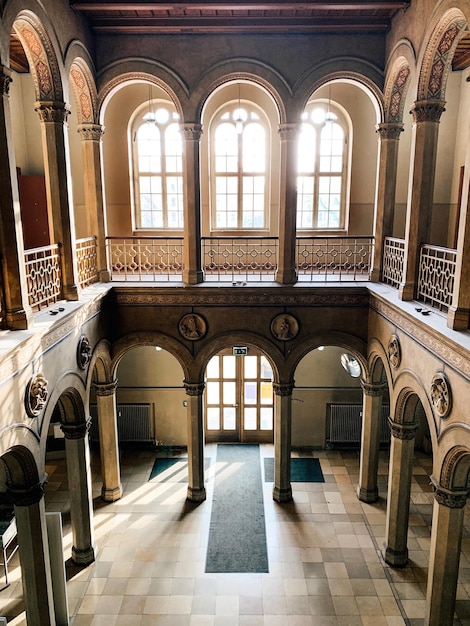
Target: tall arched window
(322, 170)
(158, 168)
(240, 153)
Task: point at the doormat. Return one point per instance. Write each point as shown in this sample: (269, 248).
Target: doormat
(237, 533)
(172, 469)
(301, 470)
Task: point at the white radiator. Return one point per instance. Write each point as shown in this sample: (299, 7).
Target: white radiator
(134, 423)
(344, 424)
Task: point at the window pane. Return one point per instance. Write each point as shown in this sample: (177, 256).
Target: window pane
(212, 370)
(266, 418)
(226, 148)
(174, 201)
(213, 418)
(229, 418)
(250, 364)
(266, 370)
(173, 149)
(229, 365)
(266, 393)
(254, 148)
(249, 421)
(251, 394)
(213, 393)
(253, 196)
(306, 156)
(229, 392)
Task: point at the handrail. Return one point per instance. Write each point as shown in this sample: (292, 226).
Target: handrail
(43, 276)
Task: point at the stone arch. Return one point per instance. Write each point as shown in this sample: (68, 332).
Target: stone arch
(396, 87)
(100, 368)
(83, 89)
(21, 470)
(379, 364)
(455, 469)
(437, 57)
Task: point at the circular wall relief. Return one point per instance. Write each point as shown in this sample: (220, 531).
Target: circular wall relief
(284, 327)
(35, 395)
(83, 352)
(394, 351)
(192, 326)
(441, 396)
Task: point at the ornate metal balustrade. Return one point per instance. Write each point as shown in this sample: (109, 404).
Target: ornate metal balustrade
(86, 261)
(394, 254)
(43, 276)
(239, 258)
(145, 258)
(436, 276)
(334, 258)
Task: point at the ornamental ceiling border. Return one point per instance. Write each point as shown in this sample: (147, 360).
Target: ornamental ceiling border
(431, 341)
(396, 91)
(85, 96)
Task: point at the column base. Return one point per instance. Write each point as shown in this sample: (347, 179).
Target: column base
(83, 557)
(70, 292)
(18, 320)
(282, 495)
(367, 495)
(104, 276)
(406, 291)
(396, 558)
(111, 495)
(374, 275)
(196, 495)
(458, 319)
(193, 277)
(286, 277)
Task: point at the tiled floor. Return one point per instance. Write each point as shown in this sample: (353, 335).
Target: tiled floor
(324, 555)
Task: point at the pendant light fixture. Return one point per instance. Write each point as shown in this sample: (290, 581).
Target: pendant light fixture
(150, 115)
(329, 116)
(238, 117)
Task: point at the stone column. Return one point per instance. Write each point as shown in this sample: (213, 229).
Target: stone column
(109, 449)
(79, 481)
(389, 135)
(370, 441)
(17, 313)
(282, 489)
(192, 272)
(426, 115)
(30, 518)
(286, 273)
(444, 557)
(53, 117)
(399, 489)
(196, 488)
(91, 135)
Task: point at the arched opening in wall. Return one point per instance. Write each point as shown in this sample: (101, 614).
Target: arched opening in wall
(238, 398)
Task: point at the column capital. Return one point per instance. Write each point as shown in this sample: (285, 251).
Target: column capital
(194, 389)
(404, 432)
(191, 131)
(373, 389)
(5, 80)
(75, 431)
(283, 389)
(288, 132)
(451, 499)
(52, 111)
(389, 130)
(91, 132)
(427, 110)
(105, 389)
(29, 495)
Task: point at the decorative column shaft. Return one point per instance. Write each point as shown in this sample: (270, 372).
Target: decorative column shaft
(192, 271)
(196, 488)
(53, 117)
(286, 267)
(109, 448)
(399, 489)
(17, 313)
(426, 114)
(79, 481)
(444, 557)
(30, 518)
(370, 441)
(389, 135)
(282, 489)
(91, 135)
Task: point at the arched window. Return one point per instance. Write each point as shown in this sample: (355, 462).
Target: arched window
(239, 163)
(322, 170)
(158, 167)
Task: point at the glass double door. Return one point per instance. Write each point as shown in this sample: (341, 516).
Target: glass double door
(239, 402)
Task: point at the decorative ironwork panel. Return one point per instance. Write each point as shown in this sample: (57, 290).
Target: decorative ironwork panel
(436, 276)
(239, 258)
(145, 258)
(334, 258)
(43, 276)
(394, 254)
(87, 263)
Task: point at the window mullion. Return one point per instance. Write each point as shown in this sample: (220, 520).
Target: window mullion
(240, 180)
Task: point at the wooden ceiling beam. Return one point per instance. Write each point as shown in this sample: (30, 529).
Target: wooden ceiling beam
(332, 5)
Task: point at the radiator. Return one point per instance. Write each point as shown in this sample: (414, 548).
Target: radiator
(344, 424)
(134, 423)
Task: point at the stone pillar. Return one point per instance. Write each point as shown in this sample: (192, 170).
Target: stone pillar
(389, 135)
(91, 135)
(109, 449)
(426, 114)
(286, 273)
(17, 313)
(192, 271)
(399, 489)
(81, 503)
(196, 488)
(370, 441)
(444, 557)
(34, 554)
(53, 117)
(282, 490)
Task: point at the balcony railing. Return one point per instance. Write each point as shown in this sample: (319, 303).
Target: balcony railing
(334, 258)
(436, 276)
(239, 258)
(145, 258)
(87, 265)
(43, 276)
(393, 259)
